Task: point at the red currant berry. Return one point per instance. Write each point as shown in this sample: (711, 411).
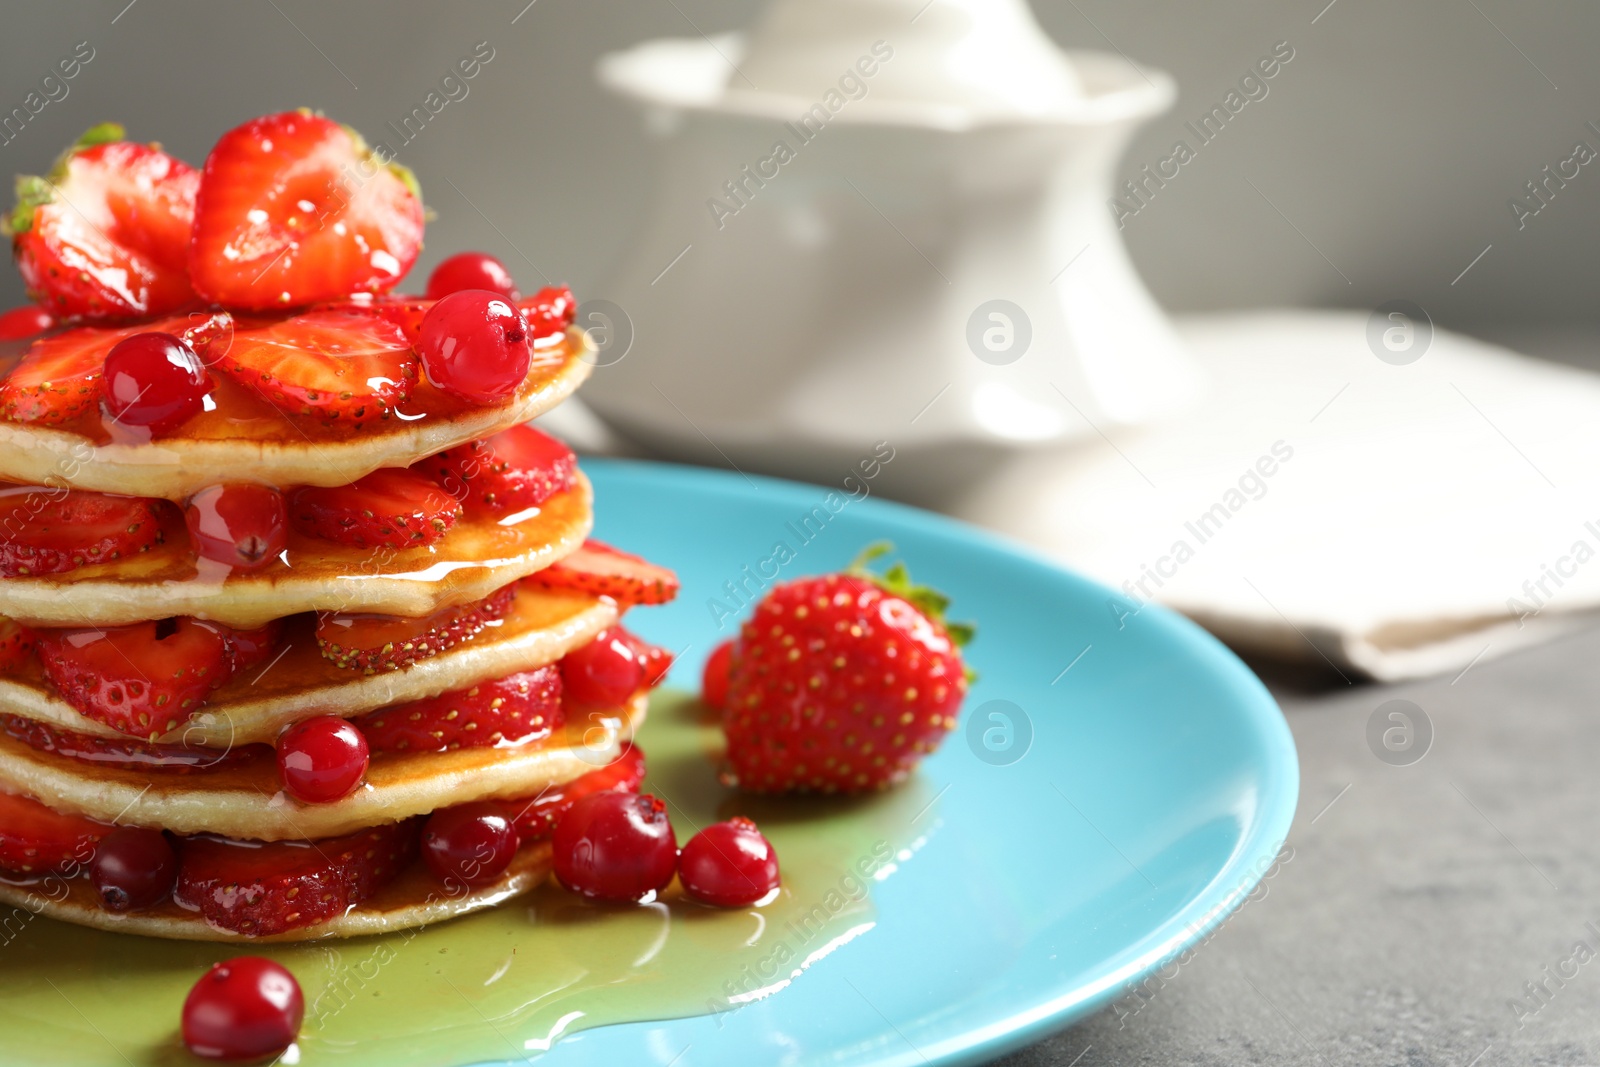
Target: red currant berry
(246, 1008)
(133, 869)
(28, 321)
(322, 760)
(242, 525)
(714, 683)
(471, 270)
(154, 380)
(615, 846)
(603, 673)
(728, 865)
(474, 345)
(471, 844)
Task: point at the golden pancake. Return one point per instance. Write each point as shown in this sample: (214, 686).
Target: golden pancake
(537, 629)
(245, 800)
(415, 898)
(477, 556)
(259, 443)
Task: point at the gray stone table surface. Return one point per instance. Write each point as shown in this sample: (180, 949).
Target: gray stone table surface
(1420, 900)
(1430, 911)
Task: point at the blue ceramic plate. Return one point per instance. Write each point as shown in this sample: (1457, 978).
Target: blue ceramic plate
(1116, 788)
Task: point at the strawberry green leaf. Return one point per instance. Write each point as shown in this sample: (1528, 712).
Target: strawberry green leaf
(897, 580)
(104, 133)
(34, 192)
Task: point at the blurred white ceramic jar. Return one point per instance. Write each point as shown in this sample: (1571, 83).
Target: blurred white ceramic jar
(882, 221)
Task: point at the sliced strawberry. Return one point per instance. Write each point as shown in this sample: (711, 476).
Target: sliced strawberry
(345, 367)
(106, 234)
(406, 312)
(60, 377)
(515, 469)
(263, 888)
(597, 569)
(656, 660)
(47, 531)
(513, 710)
(535, 817)
(373, 643)
(16, 644)
(392, 506)
(143, 680)
(35, 839)
(29, 320)
(126, 753)
(294, 209)
(548, 313)
(247, 648)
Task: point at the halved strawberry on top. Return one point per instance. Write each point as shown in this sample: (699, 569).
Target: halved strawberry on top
(35, 839)
(373, 643)
(515, 469)
(61, 377)
(48, 531)
(143, 680)
(342, 366)
(263, 888)
(597, 569)
(513, 710)
(106, 233)
(295, 209)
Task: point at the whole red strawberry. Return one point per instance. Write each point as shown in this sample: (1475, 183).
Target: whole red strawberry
(106, 233)
(842, 683)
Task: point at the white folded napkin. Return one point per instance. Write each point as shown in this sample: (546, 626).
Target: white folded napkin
(1323, 504)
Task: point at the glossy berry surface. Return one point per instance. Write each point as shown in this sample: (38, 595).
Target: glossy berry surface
(654, 661)
(603, 673)
(728, 865)
(615, 846)
(471, 270)
(246, 1008)
(470, 844)
(515, 469)
(154, 380)
(535, 817)
(104, 235)
(714, 682)
(295, 209)
(240, 524)
(549, 312)
(29, 320)
(134, 868)
(597, 569)
(474, 345)
(322, 759)
(842, 683)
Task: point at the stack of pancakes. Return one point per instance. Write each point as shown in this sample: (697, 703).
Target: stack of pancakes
(209, 771)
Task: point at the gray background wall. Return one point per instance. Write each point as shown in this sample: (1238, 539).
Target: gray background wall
(1392, 141)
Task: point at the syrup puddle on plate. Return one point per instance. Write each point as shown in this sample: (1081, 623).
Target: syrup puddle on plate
(510, 982)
